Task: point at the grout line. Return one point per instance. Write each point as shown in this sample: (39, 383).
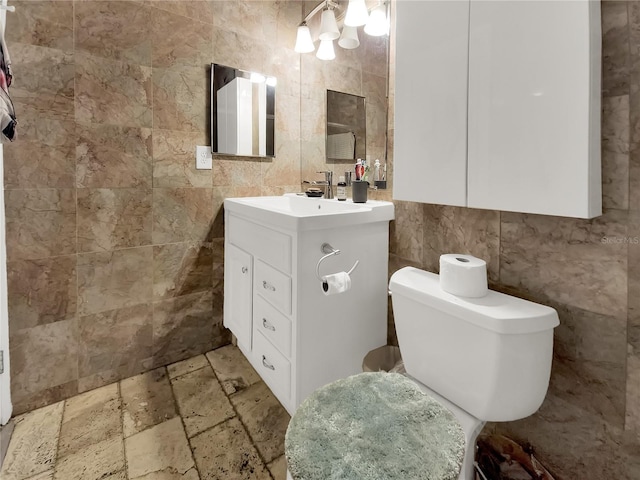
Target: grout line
(186, 373)
(55, 459)
(75, 195)
(184, 427)
(237, 414)
(124, 452)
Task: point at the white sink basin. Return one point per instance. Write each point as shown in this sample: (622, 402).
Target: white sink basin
(296, 212)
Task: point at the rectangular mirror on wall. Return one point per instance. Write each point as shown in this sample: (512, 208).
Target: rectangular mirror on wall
(242, 112)
(346, 126)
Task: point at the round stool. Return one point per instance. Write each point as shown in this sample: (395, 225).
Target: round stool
(373, 426)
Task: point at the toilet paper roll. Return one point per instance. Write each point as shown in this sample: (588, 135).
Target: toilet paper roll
(337, 283)
(463, 275)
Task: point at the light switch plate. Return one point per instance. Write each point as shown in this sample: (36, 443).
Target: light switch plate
(203, 158)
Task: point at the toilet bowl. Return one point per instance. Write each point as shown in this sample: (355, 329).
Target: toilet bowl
(484, 359)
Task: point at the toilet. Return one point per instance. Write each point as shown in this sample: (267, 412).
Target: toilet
(485, 359)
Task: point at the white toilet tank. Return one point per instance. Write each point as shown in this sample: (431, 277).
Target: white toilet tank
(490, 356)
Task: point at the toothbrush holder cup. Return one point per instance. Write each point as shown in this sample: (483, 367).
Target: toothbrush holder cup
(359, 191)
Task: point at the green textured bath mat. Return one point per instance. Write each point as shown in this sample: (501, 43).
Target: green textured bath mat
(373, 426)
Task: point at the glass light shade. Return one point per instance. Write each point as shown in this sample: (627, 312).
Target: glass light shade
(377, 24)
(357, 13)
(349, 38)
(304, 44)
(328, 25)
(325, 50)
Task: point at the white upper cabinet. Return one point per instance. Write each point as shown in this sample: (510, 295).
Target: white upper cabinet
(511, 119)
(432, 56)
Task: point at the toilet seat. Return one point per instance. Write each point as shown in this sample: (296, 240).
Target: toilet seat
(371, 426)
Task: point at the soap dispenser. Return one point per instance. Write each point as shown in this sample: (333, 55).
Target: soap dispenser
(341, 191)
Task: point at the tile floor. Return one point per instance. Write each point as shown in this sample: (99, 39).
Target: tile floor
(208, 417)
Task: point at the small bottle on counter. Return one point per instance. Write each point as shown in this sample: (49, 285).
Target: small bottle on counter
(341, 191)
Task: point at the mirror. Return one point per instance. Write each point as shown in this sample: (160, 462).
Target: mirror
(361, 72)
(346, 126)
(242, 112)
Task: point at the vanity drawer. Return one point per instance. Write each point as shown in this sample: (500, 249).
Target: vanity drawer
(273, 286)
(273, 325)
(272, 246)
(273, 367)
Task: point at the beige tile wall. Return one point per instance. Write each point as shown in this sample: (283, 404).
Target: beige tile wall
(114, 240)
(589, 270)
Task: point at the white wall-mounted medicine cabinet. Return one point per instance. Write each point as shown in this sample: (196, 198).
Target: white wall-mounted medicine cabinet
(497, 105)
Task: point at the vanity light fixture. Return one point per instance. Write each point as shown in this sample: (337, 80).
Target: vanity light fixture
(377, 24)
(325, 50)
(304, 44)
(260, 78)
(349, 38)
(257, 77)
(357, 13)
(328, 25)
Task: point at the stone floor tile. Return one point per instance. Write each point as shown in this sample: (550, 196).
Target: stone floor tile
(232, 369)
(265, 418)
(186, 366)
(96, 461)
(238, 460)
(33, 444)
(278, 468)
(90, 418)
(147, 400)
(201, 401)
(160, 453)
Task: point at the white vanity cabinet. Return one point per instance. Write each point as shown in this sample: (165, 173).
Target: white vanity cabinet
(296, 337)
(498, 105)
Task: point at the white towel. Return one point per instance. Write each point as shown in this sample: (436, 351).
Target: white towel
(341, 146)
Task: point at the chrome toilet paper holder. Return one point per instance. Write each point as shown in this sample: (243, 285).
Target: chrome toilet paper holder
(329, 251)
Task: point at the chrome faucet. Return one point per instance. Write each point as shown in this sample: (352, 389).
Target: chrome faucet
(327, 183)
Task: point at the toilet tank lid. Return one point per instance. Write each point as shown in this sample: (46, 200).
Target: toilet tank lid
(496, 311)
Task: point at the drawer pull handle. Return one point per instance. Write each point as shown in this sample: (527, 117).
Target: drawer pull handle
(267, 364)
(267, 286)
(245, 269)
(267, 325)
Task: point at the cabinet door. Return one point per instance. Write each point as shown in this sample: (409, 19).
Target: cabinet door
(431, 102)
(238, 274)
(534, 107)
